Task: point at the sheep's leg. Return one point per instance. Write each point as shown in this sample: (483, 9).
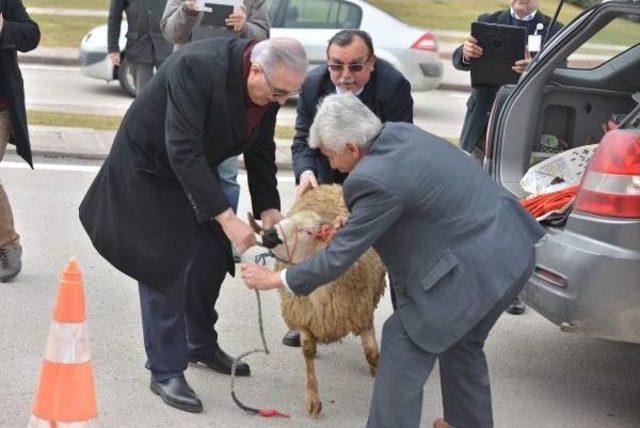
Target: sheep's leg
(370, 347)
(314, 406)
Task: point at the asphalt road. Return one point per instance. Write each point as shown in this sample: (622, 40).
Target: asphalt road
(64, 89)
(540, 376)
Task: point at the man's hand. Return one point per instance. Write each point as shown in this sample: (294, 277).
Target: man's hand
(519, 66)
(189, 5)
(471, 49)
(307, 181)
(238, 232)
(237, 20)
(270, 217)
(259, 277)
(115, 58)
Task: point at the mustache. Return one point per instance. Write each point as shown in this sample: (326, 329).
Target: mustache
(349, 81)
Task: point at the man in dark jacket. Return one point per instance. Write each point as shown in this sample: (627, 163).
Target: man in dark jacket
(523, 13)
(146, 47)
(212, 99)
(17, 33)
(352, 67)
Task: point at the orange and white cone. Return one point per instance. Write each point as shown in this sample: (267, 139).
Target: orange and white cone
(66, 396)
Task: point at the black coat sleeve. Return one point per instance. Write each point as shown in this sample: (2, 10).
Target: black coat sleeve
(188, 95)
(113, 26)
(260, 162)
(399, 106)
(19, 31)
(304, 157)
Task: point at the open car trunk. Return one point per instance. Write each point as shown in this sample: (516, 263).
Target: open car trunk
(562, 100)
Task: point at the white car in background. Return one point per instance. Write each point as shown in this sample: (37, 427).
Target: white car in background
(411, 50)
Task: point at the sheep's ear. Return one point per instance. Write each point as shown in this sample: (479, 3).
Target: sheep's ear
(254, 224)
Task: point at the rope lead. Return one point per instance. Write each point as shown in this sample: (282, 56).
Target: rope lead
(262, 260)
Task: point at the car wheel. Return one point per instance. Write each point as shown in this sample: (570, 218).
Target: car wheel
(126, 79)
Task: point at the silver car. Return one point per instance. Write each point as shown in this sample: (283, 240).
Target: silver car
(413, 51)
(587, 273)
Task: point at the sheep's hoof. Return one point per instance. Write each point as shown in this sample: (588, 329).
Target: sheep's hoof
(372, 371)
(314, 407)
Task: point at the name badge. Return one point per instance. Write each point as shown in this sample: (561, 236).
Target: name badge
(534, 43)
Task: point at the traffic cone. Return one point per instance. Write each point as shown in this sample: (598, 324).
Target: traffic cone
(66, 394)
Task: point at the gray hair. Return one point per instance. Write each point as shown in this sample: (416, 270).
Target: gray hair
(280, 51)
(343, 118)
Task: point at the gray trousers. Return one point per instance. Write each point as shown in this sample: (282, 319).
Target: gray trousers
(142, 73)
(404, 368)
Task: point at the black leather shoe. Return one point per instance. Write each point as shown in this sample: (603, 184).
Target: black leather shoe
(221, 363)
(292, 338)
(176, 392)
(516, 307)
(10, 262)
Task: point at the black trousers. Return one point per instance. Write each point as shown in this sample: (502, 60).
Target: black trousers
(179, 321)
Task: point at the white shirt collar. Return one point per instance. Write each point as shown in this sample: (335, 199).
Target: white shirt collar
(525, 18)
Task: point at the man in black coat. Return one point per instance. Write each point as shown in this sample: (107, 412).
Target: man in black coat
(351, 67)
(523, 13)
(146, 46)
(212, 99)
(17, 33)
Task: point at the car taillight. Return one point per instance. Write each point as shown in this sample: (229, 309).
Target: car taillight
(611, 184)
(426, 42)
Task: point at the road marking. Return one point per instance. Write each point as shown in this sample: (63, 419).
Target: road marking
(95, 168)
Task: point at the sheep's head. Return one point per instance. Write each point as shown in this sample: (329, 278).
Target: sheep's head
(298, 237)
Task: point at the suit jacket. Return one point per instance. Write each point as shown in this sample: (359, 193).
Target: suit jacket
(387, 94)
(145, 42)
(481, 100)
(160, 178)
(453, 239)
(19, 33)
(180, 27)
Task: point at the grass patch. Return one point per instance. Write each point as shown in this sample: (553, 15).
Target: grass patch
(69, 4)
(105, 123)
(65, 31)
(458, 14)
(72, 120)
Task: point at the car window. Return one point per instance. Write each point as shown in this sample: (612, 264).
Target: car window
(322, 14)
(617, 36)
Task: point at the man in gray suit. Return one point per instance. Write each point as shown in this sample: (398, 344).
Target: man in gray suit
(457, 244)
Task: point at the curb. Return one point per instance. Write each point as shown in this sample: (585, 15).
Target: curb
(48, 60)
(58, 154)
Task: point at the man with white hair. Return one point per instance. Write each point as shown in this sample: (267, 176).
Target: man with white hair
(211, 100)
(431, 213)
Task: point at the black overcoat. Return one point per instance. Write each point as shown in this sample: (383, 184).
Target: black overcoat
(19, 33)
(160, 177)
(145, 42)
(481, 99)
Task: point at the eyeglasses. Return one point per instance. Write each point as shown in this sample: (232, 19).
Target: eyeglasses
(277, 92)
(353, 68)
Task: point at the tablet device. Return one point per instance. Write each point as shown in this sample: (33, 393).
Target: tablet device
(502, 46)
(215, 14)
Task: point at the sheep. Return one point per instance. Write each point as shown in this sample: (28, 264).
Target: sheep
(333, 310)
